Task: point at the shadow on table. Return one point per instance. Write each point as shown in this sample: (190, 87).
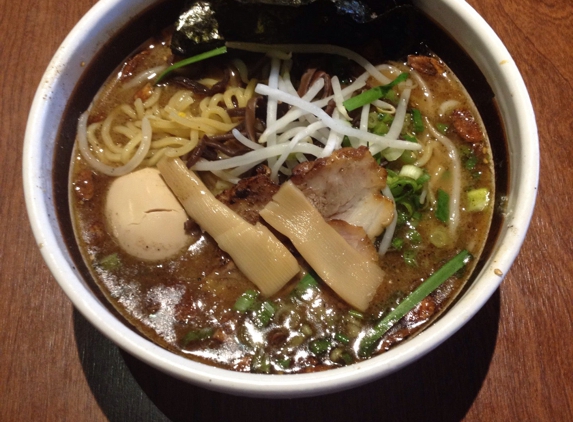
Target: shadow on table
(439, 387)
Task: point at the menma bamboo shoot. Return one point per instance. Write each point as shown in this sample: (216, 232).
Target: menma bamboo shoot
(254, 249)
(354, 277)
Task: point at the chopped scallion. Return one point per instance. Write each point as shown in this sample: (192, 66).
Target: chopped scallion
(306, 287)
(261, 363)
(442, 127)
(341, 338)
(397, 243)
(409, 138)
(411, 171)
(423, 179)
(373, 119)
(356, 314)
(196, 335)
(346, 358)
(402, 77)
(367, 344)
(381, 128)
(373, 94)
(190, 60)
(410, 258)
(478, 199)
(414, 236)
(408, 157)
(319, 346)
(364, 98)
(391, 96)
(284, 363)
(443, 207)
(418, 121)
(264, 314)
(246, 300)
(470, 162)
(440, 237)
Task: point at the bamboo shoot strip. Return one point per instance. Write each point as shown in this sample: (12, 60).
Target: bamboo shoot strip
(368, 342)
(254, 249)
(352, 276)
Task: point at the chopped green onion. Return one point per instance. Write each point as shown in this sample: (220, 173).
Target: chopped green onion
(341, 338)
(408, 157)
(356, 314)
(381, 128)
(306, 287)
(403, 217)
(386, 118)
(440, 237)
(411, 171)
(373, 94)
(246, 301)
(423, 179)
(196, 335)
(414, 236)
(319, 346)
(397, 243)
(402, 188)
(418, 121)
(373, 119)
(470, 159)
(368, 343)
(110, 262)
(442, 127)
(410, 258)
(190, 60)
(346, 142)
(284, 363)
(471, 162)
(443, 207)
(364, 98)
(347, 358)
(264, 314)
(391, 96)
(392, 154)
(478, 199)
(409, 138)
(402, 77)
(339, 354)
(261, 363)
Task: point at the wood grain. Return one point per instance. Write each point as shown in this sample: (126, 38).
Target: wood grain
(513, 361)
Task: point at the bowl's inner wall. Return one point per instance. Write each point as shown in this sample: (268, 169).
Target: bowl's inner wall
(424, 33)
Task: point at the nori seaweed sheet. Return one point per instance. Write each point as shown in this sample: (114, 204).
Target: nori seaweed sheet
(204, 25)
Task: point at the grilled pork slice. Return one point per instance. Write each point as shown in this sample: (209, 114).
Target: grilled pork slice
(250, 195)
(356, 237)
(346, 186)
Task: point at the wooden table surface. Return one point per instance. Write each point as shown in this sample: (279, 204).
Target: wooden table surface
(513, 361)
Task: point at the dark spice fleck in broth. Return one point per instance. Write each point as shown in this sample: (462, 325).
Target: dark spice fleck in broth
(195, 301)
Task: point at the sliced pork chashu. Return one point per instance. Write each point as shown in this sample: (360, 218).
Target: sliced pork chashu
(346, 186)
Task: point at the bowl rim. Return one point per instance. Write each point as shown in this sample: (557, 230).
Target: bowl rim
(106, 17)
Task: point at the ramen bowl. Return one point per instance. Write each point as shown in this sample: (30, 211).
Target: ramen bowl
(77, 68)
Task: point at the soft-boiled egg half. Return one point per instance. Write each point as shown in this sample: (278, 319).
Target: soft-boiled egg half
(145, 217)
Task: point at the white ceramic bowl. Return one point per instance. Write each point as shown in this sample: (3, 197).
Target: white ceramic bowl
(104, 20)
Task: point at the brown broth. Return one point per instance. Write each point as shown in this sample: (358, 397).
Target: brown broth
(197, 290)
